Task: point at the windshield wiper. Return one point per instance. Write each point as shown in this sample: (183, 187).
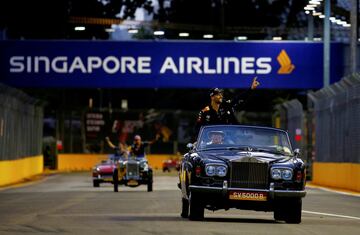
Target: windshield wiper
(208, 149)
(269, 151)
(244, 148)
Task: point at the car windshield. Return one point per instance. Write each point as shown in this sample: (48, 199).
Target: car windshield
(244, 138)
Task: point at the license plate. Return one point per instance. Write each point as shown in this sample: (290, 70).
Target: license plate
(132, 183)
(248, 196)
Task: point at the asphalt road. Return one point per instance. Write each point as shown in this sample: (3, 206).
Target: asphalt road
(68, 204)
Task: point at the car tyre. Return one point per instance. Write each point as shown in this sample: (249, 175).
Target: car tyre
(279, 214)
(150, 182)
(150, 187)
(185, 208)
(96, 183)
(116, 180)
(293, 211)
(196, 208)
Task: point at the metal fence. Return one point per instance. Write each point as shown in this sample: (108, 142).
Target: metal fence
(293, 119)
(337, 121)
(21, 124)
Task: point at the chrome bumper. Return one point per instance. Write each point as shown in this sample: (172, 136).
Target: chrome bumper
(103, 177)
(271, 192)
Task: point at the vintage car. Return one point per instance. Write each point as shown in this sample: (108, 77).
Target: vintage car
(103, 171)
(133, 172)
(171, 164)
(242, 167)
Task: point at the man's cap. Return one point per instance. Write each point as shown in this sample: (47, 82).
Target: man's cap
(216, 133)
(216, 91)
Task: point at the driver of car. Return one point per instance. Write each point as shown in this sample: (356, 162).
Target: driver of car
(216, 137)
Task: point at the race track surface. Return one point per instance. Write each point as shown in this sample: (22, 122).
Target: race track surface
(68, 204)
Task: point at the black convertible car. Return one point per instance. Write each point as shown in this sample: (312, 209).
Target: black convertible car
(243, 167)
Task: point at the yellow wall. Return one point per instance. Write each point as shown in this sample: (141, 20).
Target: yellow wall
(78, 162)
(156, 160)
(17, 170)
(338, 175)
(84, 162)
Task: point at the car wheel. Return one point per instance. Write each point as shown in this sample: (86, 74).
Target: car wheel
(293, 211)
(150, 187)
(279, 214)
(96, 183)
(196, 208)
(185, 208)
(116, 180)
(150, 182)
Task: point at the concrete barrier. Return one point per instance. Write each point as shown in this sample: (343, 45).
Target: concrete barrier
(17, 170)
(85, 162)
(337, 175)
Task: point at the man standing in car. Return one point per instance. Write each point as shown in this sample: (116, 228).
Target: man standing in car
(138, 147)
(219, 111)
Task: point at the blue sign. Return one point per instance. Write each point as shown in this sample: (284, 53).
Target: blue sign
(166, 64)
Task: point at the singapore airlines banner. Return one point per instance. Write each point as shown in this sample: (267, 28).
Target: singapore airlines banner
(166, 64)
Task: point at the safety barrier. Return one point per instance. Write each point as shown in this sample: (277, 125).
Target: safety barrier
(85, 162)
(21, 124)
(21, 128)
(338, 175)
(336, 111)
(14, 171)
(330, 132)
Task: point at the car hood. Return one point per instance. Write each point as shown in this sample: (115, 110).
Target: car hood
(106, 167)
(242, 156)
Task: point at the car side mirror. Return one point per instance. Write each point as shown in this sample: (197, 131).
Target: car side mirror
(297, 152)
(190, 146)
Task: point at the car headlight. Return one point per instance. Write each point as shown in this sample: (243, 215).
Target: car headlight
(221, 171)
(276, 174)
(281, 173)
(218, 170)
(98, 169)
(143, 164)
(210, 170)
(286, 174)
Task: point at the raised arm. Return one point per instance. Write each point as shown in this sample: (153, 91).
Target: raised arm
(111, 145)
(240, 100)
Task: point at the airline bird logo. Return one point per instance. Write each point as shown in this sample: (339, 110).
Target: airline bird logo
(286, 67)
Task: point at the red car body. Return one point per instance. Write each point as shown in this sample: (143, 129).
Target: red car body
(103, 172)
(171, 164)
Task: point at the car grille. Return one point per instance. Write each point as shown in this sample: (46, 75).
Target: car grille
(132, 169)
(249, 175)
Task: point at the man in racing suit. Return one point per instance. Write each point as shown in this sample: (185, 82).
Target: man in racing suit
(219, 111)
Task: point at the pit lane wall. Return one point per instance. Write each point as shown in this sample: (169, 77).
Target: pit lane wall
(18, 170)
(21, 129)
(336, 110)
(337, 175)
(85, 162)
(328, 133)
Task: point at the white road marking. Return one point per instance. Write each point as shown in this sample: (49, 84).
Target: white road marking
(334, 191)
(333, 215)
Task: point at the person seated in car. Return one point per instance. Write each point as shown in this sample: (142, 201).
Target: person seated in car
(137, 149)
(216, 137)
